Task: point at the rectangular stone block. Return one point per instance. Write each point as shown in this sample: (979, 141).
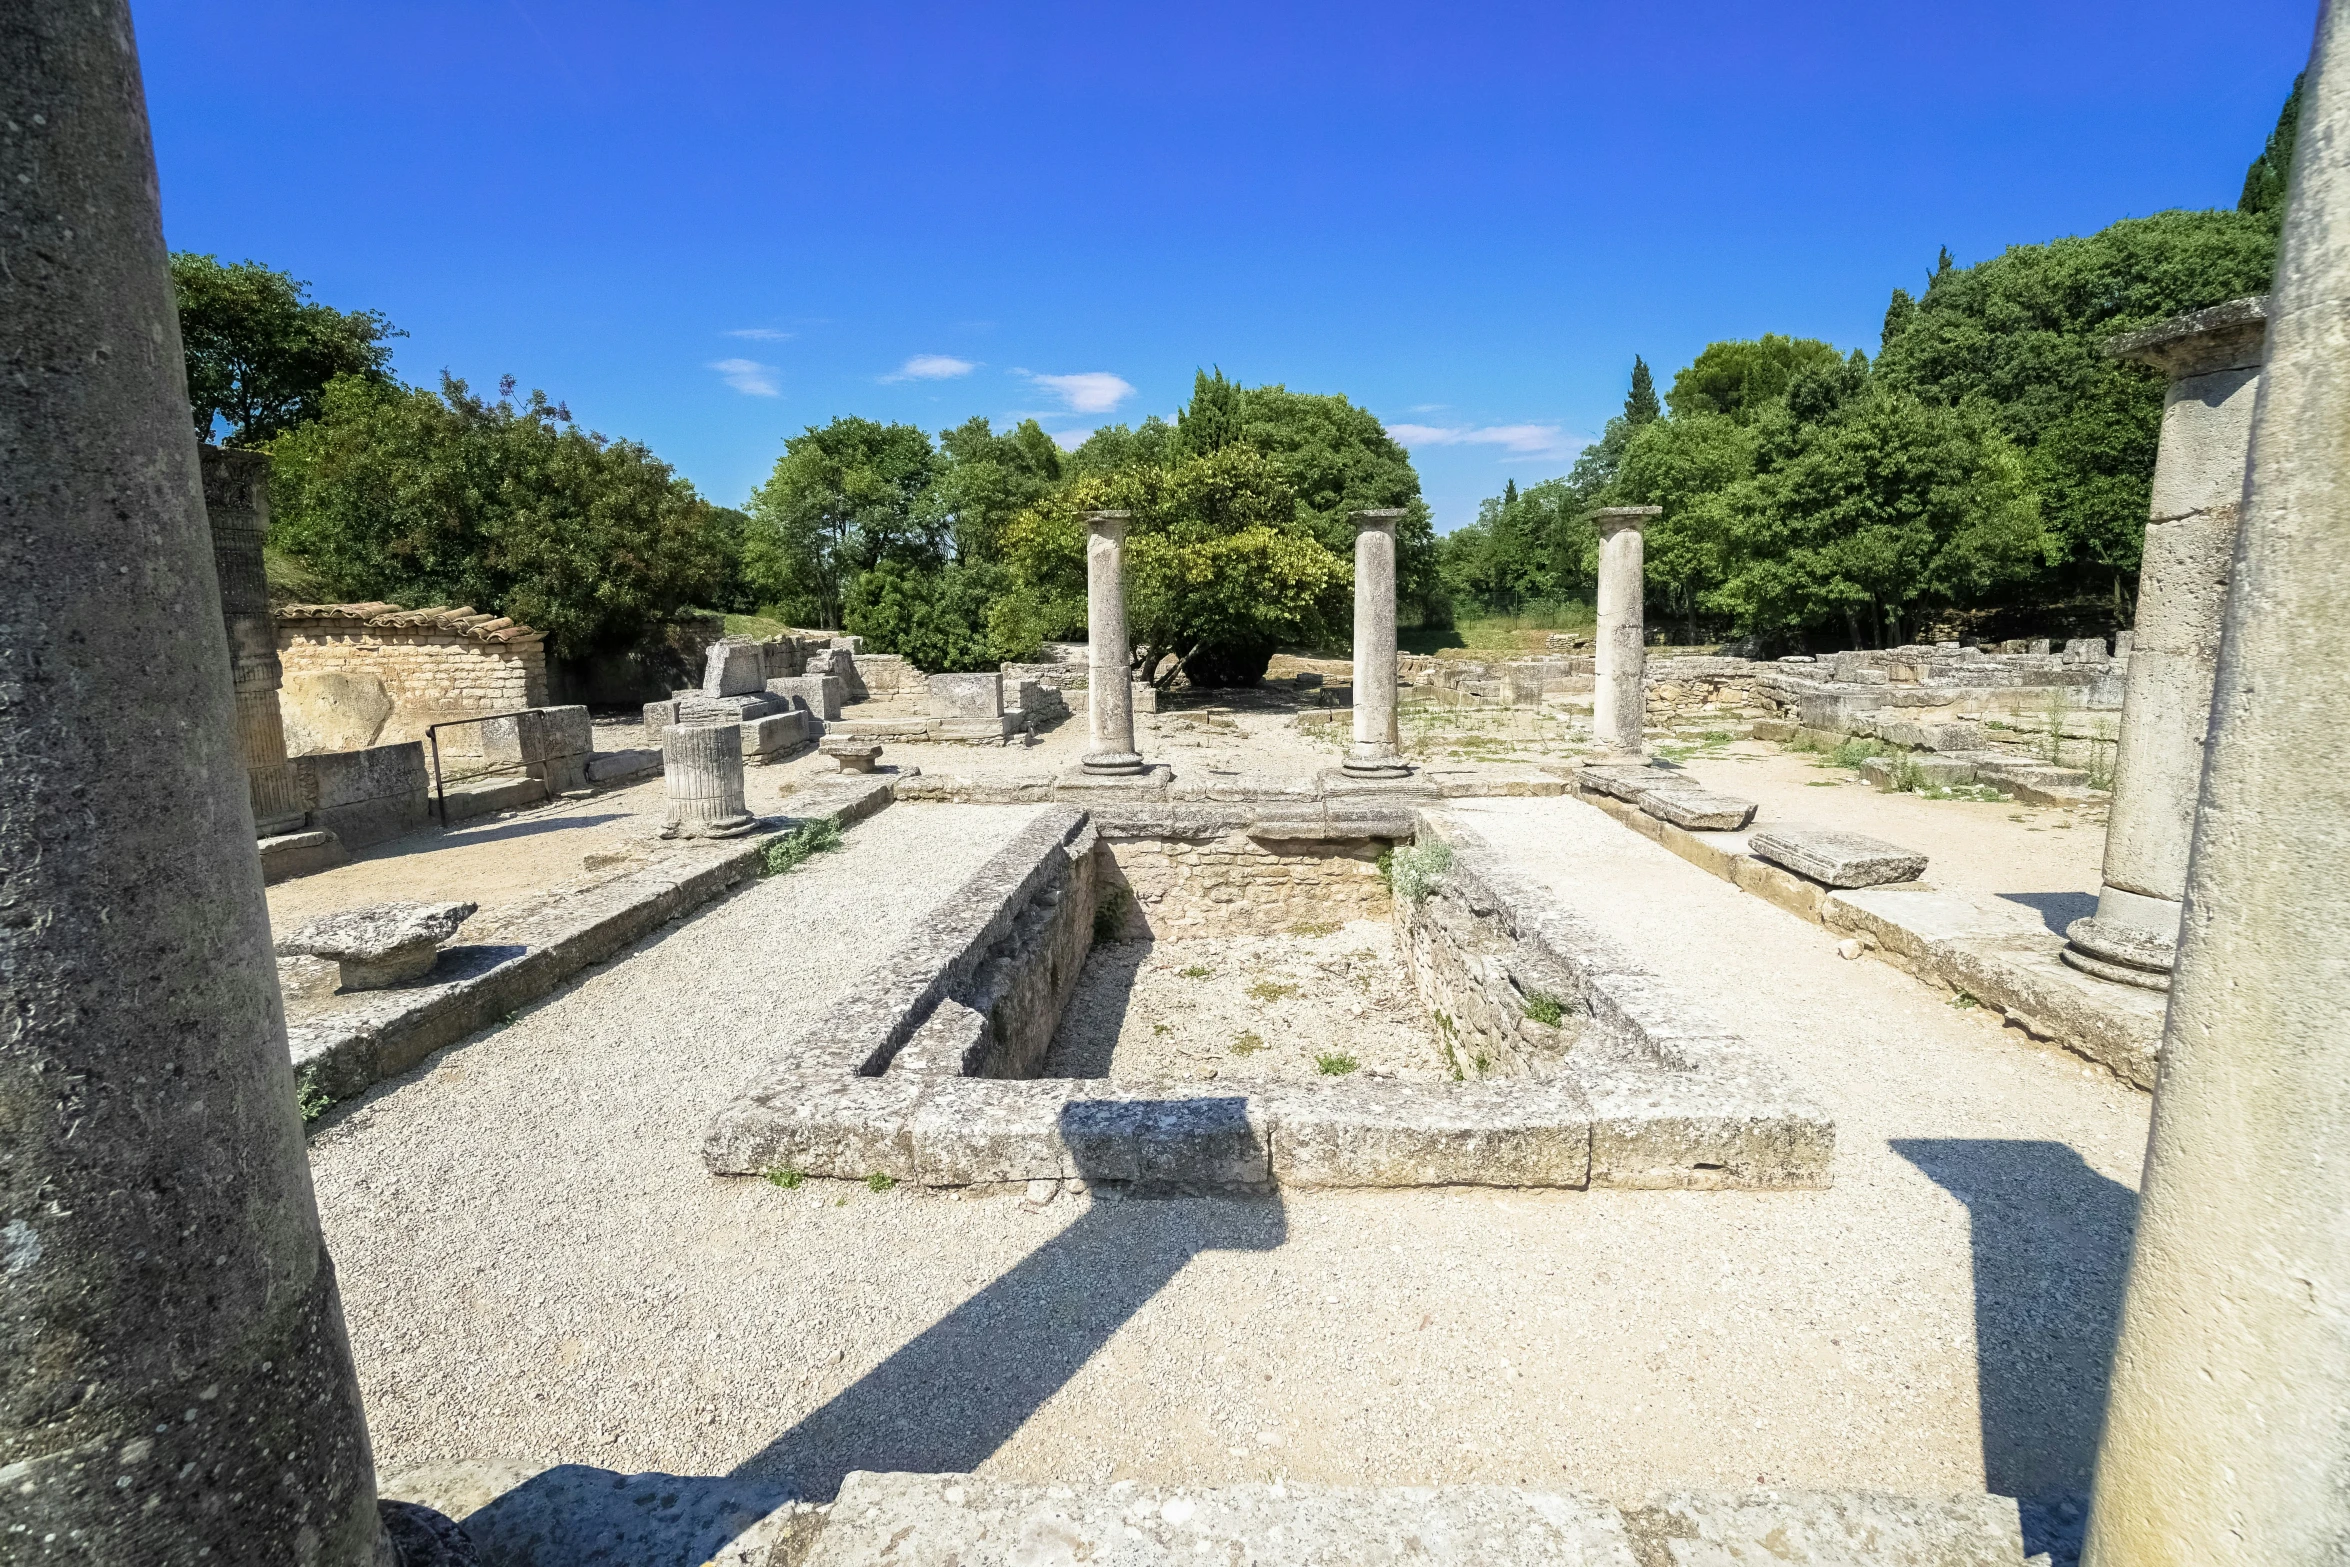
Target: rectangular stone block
(1776, 884)
(1623, 783)
(1837, 858)
(1821, 1529)
(821, 694)
(1655, 1129)
(967, 696)
(1520, 1133)
(982, 1131)
(1127, 1132)
(1698, 810)
(367, 796)
(772, 736)
(829, 1124)
(659, 716)
(733, 668)
(1933, 772)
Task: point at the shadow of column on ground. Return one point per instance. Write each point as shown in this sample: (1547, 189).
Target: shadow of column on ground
(2051, 1243)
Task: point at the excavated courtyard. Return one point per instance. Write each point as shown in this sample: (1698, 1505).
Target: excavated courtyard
(536, 1263)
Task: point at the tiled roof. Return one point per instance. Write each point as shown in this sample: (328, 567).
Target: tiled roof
(391, 617)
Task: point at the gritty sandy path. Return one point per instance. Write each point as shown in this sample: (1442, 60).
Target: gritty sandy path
(535, 1266)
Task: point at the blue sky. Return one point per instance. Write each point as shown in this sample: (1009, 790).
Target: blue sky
(706, 226)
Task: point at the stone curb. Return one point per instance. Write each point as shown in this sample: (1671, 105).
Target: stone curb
(343, 1054)
(1997, 953)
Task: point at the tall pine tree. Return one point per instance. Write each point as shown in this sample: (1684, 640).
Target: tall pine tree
(2271, 173)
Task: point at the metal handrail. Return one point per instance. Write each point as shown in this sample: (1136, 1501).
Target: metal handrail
(432, 737)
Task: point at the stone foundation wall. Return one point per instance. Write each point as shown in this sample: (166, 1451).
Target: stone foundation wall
(1482, 985)
(1240, 885)
(360, 675)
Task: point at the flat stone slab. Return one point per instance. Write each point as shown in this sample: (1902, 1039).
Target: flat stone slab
(2117, 943)
(1698, 810)
(1628, 783)
(1837, 858)
(381, 945)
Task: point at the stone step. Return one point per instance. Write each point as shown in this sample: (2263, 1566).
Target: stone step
(1836, 858)
(488, 796)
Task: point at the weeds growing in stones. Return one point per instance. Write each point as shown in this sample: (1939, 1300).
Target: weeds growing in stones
(1315, 928)
(789, 1180)
(878, 1182)
(1248, 1044)
(1268, 990)
(1482, 1062)
(1196, 971)
(1963, 1000)
(1412, 873)
(315, 1101)
(1546, 1010)
(1162, 1028)
(1452, 1061)
(1335, 1064)
(1855, 751)
(797, 847)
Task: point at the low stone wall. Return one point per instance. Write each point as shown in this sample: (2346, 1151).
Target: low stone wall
(1483, 983)
(1245, 882)
(368, 795)
(361, 675)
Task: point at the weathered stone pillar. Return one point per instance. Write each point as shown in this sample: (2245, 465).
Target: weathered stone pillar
(1619, 703)
(2224, 1436)
(1109, 701)
(2213, 360)
(177, 1382)
(1376, 752)
(236, 505)
(702, 764)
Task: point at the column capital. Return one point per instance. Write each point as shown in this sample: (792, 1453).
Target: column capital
(2220, 337)
(1615, 519)
(1111, 523)
(1383, 518)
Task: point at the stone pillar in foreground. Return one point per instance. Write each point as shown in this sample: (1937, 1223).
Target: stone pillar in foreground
(1376, 751)
(702, 765)
(1619, 701)
(2212, 358)
(1109, 700)
(2224, 1439)
(236, 505)
(177, 1385)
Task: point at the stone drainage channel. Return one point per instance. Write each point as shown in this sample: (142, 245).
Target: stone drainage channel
(1596, 1074)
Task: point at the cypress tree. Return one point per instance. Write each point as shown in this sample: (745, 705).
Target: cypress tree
(1640, 405)
(2271, 173)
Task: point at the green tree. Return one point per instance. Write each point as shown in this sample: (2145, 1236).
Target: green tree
(398, 494)
(1212, 419)
(984, 480)
(2024, 332)
(260, 352)
(1640, 404)
(1221, 567)
(1114, 446)
(843, 497)
(962, 616)
(1737, 379)
(2270, 178)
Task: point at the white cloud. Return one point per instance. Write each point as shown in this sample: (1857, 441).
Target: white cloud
(1088, 392)
(762, 334)
(1070, 440)
(749, 377)
(1519, 440)
(932, 367)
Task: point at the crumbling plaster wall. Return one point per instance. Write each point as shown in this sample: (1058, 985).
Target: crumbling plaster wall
(367, 675)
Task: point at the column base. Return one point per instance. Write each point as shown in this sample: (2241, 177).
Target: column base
(728, 828)
(1113, 764)
(2123, 954)
(1151, 779)
(1375, 764)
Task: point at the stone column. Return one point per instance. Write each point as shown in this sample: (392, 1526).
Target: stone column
(177, 1380)
(1376, 751)
(702, 764)
(2224, 1439)
(1619, 702)
(236, 505)
(2212, 358)
(1109, 701)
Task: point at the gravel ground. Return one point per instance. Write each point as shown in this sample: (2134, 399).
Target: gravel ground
(1247, 1009)
(535, 1266)
(2044, 857)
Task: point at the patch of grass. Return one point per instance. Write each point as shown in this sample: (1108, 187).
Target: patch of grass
(878, 1182)
(1162, 1028)
(1546, 1010)
(1412, 873)
(1981, 793)
(1109, 913)
(315, 1101)
(1452, 1061)
(797, 847)
(1268, 990)
(760, 626)
(1963, 1000)
(1248, 1044)
(1855, 751)
(1482, 1062)
(1824, 783)
(1315, 928)
(789, 1180)
(1335, 1065)
(1908, 777)
(1196, 971)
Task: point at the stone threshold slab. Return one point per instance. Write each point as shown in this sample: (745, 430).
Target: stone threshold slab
(1996, 952)
(384, 1033)
(523, 1513)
